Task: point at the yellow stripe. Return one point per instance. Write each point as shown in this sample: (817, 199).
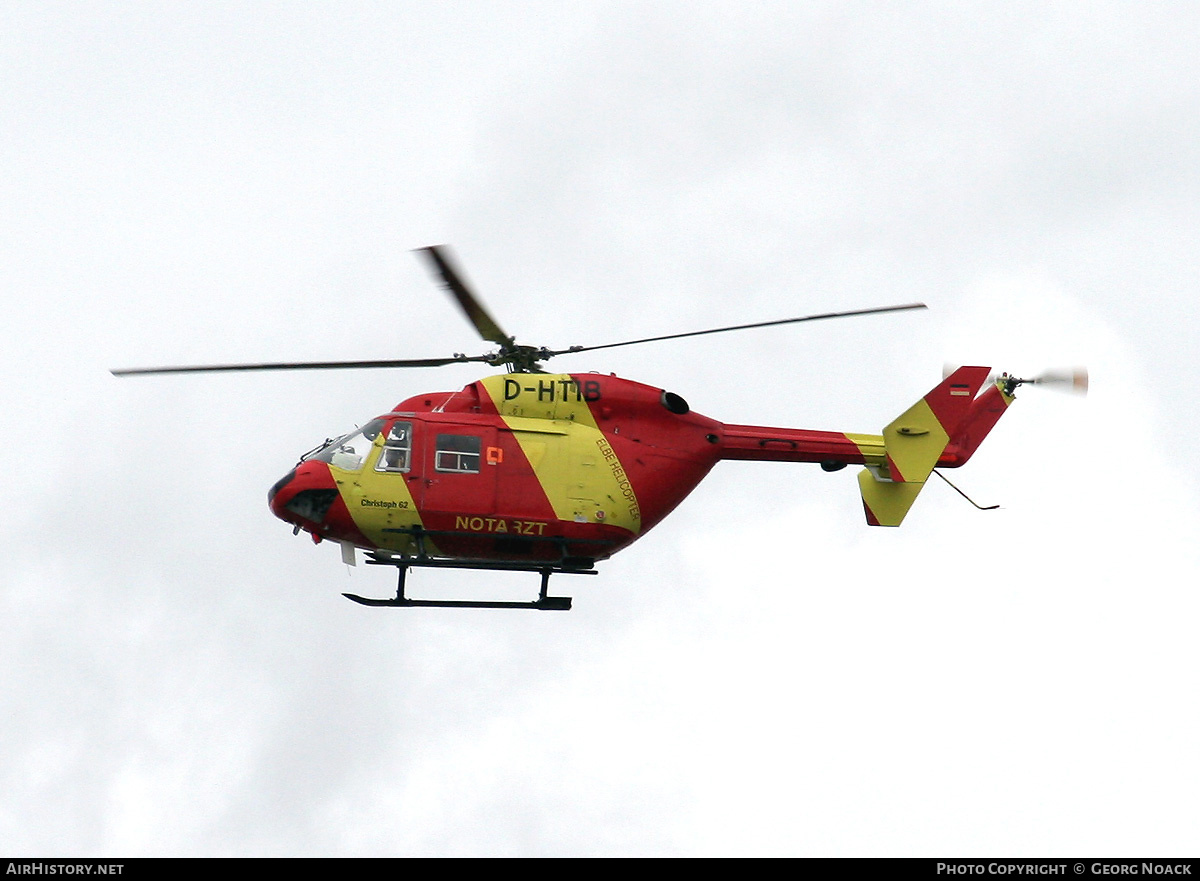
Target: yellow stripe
(577, 467)
(1008, 399)
(379, 500)
(915, 441)
(888, 501)
(871, 447)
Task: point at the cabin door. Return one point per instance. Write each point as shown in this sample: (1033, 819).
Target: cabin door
(458, 466)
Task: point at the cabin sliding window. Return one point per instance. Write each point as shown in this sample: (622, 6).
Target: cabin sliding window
(457, 453)
(397, 448)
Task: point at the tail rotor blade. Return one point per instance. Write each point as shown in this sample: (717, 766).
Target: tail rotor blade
(1070, 379)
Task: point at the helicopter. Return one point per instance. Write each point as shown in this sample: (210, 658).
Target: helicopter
(550, 473)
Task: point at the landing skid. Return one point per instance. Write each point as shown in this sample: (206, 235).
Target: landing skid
(543, 601)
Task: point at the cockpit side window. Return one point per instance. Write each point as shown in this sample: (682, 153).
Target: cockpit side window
(397, 448)
(349, 452)
(458, 453)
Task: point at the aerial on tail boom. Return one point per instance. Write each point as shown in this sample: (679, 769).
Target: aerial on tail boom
(550, 473)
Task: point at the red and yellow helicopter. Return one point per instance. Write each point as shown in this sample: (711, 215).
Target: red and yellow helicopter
(551, 472)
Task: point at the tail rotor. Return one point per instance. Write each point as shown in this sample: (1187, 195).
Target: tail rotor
(1063, 379)
(1067, 379)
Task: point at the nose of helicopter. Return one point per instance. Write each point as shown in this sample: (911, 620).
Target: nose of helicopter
(303, 495)
(281, 483)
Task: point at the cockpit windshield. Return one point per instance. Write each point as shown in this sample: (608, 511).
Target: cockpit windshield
(349, 452)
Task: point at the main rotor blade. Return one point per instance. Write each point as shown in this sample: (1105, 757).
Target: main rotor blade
(303, 365)
(439, 258)
(675, 336)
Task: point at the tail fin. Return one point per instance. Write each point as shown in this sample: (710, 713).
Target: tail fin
(985, 412)
(914, 442)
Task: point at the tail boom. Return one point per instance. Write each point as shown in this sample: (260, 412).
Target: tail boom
(762, 443)
(942, 430)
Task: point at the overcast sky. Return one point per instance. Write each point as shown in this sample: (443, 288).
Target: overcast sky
(763, 673)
